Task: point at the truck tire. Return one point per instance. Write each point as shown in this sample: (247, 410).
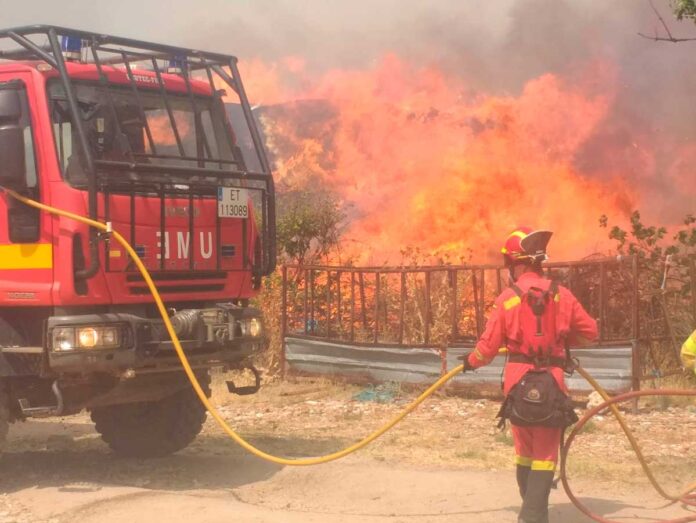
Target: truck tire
(152, 429)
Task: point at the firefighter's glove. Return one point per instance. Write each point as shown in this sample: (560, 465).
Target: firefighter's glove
(465, 362)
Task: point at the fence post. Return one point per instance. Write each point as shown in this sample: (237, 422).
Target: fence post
(305, 309)
(427, 308)
(283, 321)
(363, 311)
(338, 304)
(477, 308)
(402, 307)
(328, 304)
(637, 360)
(453, 287)
(377, 289)
(352, 305)
(602, 301)
(635, 319)
(637, 366)
(311, 305)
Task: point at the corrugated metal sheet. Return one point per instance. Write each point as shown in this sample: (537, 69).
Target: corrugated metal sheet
(376, 363)
(611, 366)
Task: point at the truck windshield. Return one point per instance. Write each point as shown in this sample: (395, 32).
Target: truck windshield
(116, 130)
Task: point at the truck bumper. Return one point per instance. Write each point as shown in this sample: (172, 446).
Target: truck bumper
(218, 336)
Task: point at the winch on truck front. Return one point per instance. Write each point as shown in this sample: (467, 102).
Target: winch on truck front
(159, 142)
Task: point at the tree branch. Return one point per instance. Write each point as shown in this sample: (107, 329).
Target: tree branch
(665, 39)
(669, 38)
(662, 20)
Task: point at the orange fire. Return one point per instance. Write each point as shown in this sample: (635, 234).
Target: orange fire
(161, 128)
(422, 160)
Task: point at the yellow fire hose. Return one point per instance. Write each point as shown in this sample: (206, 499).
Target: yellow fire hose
(352, 448)
(631, 438)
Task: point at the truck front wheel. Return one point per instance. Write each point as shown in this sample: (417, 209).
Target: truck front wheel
(155, 428)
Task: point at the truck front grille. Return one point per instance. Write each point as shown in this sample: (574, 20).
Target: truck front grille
(183, 282)
(176, 289)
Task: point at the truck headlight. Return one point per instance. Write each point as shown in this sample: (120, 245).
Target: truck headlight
(250, 327)
(88, 337)
(97, 337)
(254, 327)
(63, 339)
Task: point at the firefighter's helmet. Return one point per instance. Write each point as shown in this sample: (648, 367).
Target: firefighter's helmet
(525, 246)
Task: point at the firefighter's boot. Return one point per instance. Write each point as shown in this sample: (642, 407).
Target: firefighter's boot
(535, 506)
(522, 477)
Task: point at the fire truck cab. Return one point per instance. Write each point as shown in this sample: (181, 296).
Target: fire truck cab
(161, 143)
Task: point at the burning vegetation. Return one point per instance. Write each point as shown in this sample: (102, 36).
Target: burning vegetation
(418, 158)
(409, 165)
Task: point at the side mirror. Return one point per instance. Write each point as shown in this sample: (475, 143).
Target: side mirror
(12, 167)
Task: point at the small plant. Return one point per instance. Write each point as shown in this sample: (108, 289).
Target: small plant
(665, 285)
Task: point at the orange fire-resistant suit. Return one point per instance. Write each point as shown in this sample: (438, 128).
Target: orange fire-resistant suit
(536, 448)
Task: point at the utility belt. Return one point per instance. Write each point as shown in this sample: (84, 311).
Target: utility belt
(537, 400)
(538, 361)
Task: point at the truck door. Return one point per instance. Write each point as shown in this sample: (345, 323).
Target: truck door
(26, 251)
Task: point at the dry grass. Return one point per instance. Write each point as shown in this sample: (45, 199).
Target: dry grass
(315, 416)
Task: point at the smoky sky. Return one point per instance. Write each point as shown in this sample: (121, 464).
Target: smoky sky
(496, 45)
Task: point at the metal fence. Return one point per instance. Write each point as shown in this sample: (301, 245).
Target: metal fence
(432, 306)
(443, 309)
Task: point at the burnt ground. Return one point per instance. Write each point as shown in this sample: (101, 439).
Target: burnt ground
(445, 463)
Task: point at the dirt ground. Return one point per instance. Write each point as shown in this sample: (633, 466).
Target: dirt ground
(445, 463)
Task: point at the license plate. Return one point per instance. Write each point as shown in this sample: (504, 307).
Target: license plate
(233, 202)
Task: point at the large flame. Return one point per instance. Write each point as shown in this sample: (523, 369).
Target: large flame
(422, 160)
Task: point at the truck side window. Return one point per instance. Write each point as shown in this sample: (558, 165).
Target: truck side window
(23, 222)
(63, 134)
(29, 153)
(62, 130)
(29, 158)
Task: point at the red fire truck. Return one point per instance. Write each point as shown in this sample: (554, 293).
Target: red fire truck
(161, 143)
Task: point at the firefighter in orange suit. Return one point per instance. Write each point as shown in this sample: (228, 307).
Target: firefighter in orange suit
(563, 322)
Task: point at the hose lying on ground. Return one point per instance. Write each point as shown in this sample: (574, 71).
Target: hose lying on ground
(687, 497)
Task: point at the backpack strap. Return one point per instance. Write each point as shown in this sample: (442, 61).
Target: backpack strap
(548, 298)
(569, 367)
(553, 289)
(537, 299)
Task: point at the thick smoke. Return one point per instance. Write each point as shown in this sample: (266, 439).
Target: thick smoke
(649, 136)
(495, 47)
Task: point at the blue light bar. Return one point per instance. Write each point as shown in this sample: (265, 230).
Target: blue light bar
(176, 65)
(71, 47)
